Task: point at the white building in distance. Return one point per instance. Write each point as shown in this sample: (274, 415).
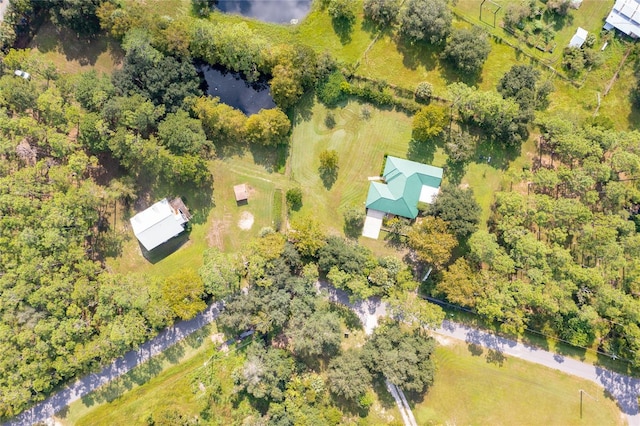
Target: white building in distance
(160, 222)
(625, 17)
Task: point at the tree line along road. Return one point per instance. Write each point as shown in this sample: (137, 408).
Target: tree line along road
(624, 389)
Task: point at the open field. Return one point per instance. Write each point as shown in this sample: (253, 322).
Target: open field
(521, 393)
(165, 369)
(72, 55)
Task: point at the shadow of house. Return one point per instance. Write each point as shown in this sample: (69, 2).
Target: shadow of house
(157, 227)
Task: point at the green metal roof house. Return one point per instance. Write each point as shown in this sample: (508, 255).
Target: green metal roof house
(406, 184)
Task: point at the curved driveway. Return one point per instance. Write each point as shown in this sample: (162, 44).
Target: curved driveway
(168, 337)
(623, 388)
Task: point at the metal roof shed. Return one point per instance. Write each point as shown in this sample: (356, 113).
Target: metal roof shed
(578, 38)
(241, 192)
(157, 224)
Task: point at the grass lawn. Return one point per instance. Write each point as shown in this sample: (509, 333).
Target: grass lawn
(520, 393)
(361, 145)
(158, 383)
(72, 55)
(219, 221)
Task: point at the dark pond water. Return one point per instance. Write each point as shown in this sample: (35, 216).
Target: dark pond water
(277, 11)
(234, 90)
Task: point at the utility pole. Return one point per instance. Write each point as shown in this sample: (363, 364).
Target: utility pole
(583, 392)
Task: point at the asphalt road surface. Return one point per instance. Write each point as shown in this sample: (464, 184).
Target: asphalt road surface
(623, 388)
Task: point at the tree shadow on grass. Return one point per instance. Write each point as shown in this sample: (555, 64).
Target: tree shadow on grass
(82, 49)
(421, 152)
(227, 150)
(328, 176)
(301, 112)
(634, 114)
(417, 54)
(166, 249)
(455, 75)
(475, 349)
(343, 28)
(273, 159)
(116, 388)
(351, 320)
(495, 154)
(495, 357)
(455, 171)
(197, 198)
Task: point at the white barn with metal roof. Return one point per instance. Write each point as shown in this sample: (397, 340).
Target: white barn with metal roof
(158, 224)
(625, 17)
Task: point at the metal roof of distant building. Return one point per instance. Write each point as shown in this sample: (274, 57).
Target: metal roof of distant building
(625, 17)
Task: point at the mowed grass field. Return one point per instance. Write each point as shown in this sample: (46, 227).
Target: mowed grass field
(361, 145)
(477, 386)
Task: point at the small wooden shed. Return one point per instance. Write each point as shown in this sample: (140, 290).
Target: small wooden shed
(241, 192)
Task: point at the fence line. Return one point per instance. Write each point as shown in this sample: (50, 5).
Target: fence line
(530, 330)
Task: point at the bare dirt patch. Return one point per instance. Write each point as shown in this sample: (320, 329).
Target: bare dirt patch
(246, 221)
(443, 340)
(217, 338)
(215, 236)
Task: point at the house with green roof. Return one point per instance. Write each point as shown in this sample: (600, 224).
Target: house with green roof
(404, 184)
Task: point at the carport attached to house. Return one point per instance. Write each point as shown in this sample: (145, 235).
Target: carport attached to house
(373, 224)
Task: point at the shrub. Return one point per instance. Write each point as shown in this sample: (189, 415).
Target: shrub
(277, 209)
(353, 221)
(294, 198)
(423, 92)
(341, 10)
(365, 112)
(330, 90)
(330, 120)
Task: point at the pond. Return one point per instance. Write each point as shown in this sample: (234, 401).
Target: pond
(234, 90)
(276, 11)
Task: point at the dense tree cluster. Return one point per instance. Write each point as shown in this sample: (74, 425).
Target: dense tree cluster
(459, 209)
(62, 315)
(295, 327)
(563, 256)
(501, 119)
(521, 83)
